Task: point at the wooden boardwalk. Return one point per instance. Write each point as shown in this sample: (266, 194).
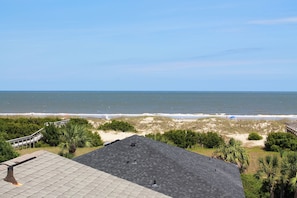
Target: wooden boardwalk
(30, 140)
(292, 128)
(27, 141)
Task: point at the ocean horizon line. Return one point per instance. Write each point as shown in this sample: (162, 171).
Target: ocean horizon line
(159, 91)
(169, 115)
(192, 104)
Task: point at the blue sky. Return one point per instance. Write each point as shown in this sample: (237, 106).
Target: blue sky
(172, 45)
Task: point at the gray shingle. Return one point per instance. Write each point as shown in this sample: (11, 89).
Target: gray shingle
(176, 172)
(49, 175)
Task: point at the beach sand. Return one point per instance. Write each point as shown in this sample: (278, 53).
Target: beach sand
(248, 143)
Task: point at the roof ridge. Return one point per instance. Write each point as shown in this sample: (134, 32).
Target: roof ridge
(175, 171)
(153, 145)
(186, 169)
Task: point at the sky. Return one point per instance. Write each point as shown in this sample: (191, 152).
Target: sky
(148, 45)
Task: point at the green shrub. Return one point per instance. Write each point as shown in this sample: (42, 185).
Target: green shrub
(181, 138)
(80, 121)
(251, 186)
(275, 148)
(281, 141)
(255, 136)
(116, 125)
(210, 139)
(158, 137)
(6, 151)
(188, 138)
(51, 135)
(94, 138)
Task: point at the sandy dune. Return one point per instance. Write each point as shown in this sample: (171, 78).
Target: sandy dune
(238, 129)
(248, 143)
(110, 136)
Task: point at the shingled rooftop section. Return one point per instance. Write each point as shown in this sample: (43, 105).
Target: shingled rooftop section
(167, 169)
(49, 175)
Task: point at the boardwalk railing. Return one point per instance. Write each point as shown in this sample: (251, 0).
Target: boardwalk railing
(30, 140)
(27, 141)
(292, 128)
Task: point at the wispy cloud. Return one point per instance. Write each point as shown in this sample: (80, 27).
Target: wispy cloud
(243, 50)
(288, 20)
(229, 66)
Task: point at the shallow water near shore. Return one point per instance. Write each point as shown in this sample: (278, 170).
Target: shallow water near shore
(180, 105)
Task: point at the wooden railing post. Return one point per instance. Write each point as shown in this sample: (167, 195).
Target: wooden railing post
(292, 128)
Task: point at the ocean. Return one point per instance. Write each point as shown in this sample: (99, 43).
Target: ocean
(136, 103)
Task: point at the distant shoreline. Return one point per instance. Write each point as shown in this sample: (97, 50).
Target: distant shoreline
(181, 116)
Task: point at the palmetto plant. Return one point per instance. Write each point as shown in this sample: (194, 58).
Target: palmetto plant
(73, 136)
(233, 152)
(6, 150)
(289, 168)
(269, 171)
(293, 183)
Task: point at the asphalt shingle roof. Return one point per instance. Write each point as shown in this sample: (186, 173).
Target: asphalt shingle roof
(49, 175)
(167, 169)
